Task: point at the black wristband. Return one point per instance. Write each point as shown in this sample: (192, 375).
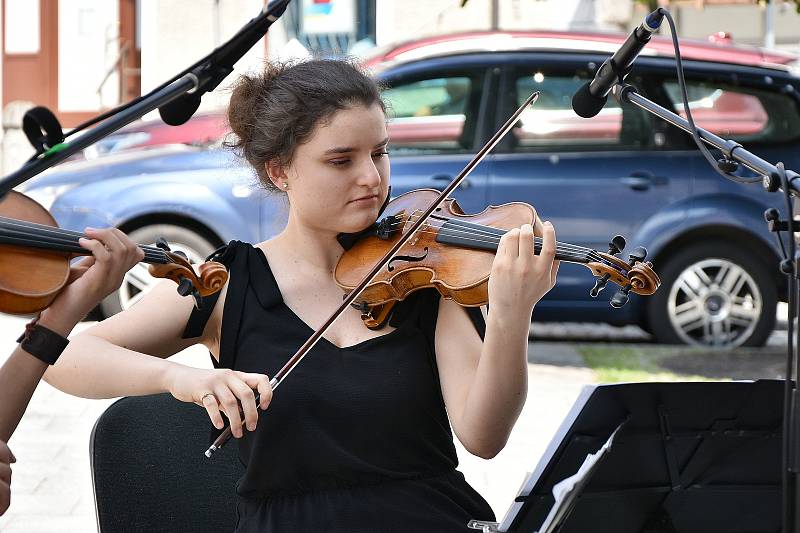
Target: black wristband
(42, 343)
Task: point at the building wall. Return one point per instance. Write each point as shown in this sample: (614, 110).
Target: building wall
(745, 22)
(399, 20)
(88, 33)
(177, 33)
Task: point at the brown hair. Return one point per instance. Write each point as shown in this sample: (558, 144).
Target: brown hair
(274, 112)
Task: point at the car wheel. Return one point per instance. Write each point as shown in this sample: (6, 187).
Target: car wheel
(138, 280)
(713, 294)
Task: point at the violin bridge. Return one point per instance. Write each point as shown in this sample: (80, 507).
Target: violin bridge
(410, 222)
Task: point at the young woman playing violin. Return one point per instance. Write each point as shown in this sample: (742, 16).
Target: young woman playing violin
(91, 280)
(358, 438)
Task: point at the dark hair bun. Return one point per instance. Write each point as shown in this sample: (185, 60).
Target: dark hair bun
(273, 112)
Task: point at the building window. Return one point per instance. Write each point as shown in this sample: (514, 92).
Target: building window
(21, 27)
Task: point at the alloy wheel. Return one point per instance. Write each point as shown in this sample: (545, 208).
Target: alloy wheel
(714, 302)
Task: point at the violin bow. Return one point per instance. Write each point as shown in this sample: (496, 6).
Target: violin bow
(278, 378)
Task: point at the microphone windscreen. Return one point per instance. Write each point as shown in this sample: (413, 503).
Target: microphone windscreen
(179, 110)
(585, 104)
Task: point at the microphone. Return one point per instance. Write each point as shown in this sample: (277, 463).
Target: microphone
(210, 71)
(592, 96)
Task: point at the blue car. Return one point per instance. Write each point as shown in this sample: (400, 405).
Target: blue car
(623, 172)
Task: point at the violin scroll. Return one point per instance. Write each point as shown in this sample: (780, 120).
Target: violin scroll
(635, 275)
(210, 279)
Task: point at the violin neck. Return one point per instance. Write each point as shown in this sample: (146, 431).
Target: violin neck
(33, 235)
(480, 237)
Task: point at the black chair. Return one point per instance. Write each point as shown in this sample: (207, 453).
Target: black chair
(149, 472)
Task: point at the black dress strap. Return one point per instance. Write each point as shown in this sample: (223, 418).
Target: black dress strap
(200, 315)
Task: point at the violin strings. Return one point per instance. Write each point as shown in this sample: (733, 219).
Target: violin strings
(24, 238)
(581, 253)
(493, 240)
(496, 233)
(29, 232)
(579, 256)
(58, 231)
(21, 237)
(27, 240)
(560, 253)
(55, 230)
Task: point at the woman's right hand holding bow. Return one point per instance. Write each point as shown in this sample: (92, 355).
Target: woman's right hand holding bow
(222, 391)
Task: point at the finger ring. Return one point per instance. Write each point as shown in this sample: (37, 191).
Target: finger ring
(206, 394)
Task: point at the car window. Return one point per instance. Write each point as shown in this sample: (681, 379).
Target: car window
(434, 115)
(738, 113)
(552, 125)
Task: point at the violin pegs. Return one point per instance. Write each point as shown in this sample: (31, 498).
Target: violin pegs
(185, 286)
(162, 243)
(182, 254)
(616, 245)
(638, 254)
(620, 298)
(599, 285)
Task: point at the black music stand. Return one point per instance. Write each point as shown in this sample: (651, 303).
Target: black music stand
(687, 457)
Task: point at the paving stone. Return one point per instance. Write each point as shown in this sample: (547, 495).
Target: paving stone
(50, 524)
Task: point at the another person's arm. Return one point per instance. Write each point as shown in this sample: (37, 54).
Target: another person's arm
(92, 279)
(6, 459)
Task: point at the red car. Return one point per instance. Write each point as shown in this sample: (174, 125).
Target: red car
(202, 128)
(709, 110)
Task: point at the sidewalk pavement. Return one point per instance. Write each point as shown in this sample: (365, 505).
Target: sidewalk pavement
(51, 483)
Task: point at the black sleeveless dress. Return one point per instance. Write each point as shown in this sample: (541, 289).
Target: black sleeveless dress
(356, 439)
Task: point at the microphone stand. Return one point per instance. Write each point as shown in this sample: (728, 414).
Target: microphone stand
(774, 178)
(734, 151)
(187, 84)
(201, 77)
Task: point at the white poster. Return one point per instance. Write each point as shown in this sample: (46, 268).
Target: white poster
(329, 16)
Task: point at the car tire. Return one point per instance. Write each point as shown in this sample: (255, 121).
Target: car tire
(713, 294)
(138, 280)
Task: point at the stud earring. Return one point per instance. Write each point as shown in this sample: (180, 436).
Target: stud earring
(285, 185)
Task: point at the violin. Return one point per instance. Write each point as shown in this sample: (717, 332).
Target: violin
(453, 252)
(35, 257)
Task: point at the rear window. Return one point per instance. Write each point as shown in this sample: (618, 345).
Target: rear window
(738, 113)
(552, 125)
(432, 115)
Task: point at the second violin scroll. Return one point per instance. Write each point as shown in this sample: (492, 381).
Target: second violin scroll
(453, 252)
(35, 259)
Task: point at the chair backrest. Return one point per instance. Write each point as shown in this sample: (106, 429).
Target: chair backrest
(150, 474)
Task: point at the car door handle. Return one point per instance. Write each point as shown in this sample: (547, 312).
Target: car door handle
(642, 181)
(447, 178)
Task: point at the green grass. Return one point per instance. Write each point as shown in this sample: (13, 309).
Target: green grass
(622, 364)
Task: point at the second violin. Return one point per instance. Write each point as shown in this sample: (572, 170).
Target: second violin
(35, 259)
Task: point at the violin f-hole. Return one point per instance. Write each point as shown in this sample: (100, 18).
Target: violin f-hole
(409, 258)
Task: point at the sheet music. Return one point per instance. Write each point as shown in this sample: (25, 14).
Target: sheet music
(564, 491)
(533, 477)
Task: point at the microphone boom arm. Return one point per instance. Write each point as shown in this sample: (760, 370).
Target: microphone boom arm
(203, 76)
(624, 92)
